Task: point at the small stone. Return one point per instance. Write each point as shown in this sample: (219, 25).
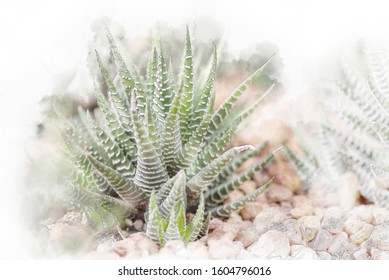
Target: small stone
(380, 215)
(220, 229)
(362, 234)
(292, 231)
(322, 240)
(379, 238)
(361, 254)
(233, 196)
(332, 220)
(174, 248)
(340, 244)
(299, 200)
(138, 225)
(251, 210)
(271, 244)
(377, 254)
(66, 237)
(129, 223)
(234, 218)
(363, 212)
(323, 255)
(137, 245)
(308, 233)
(301, 252)
(248, 236)
(309, 226)
(278, 193)
(290, 228)
(248, 186)
(353, 224)
(264, 220)
(198, 250)
(303, 210)
(224, 248)
(310, 221)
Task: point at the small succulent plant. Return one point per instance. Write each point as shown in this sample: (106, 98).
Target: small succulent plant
(154, 149)
(359, 140)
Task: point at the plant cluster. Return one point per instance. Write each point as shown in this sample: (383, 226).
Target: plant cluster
(358, 139)
(154, 149)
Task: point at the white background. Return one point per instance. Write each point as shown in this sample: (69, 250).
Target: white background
(41, 38)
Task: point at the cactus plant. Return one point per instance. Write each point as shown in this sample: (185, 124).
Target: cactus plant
(358, 141)
(154, 149)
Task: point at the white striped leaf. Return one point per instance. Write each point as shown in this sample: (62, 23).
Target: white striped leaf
(227, 209)
(155, 225)
(150, 172)
(186, 90)
(226, 107)
(176, 193)
(194, 227)
(218, 194)
(176, 226)
(198, 183)
(124, 187)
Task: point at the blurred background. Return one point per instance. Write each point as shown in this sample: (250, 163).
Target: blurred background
(41, 41)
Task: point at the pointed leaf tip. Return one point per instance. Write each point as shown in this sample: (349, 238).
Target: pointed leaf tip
(244, 148)
(278, 149)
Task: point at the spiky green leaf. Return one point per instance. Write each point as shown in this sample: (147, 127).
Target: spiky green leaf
(171, 135)
(176, 225)
(226, 107)
(227, 209)
(211, 151)
(194, 227)
(124, 187)
(205, 105)
(237, 162)
(186, 88)
(217, 195)
(151, 172)
(190, 150)
(177, 193)
(155, 224)
(198, 183)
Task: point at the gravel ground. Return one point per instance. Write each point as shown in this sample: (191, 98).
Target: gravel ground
(281, 224)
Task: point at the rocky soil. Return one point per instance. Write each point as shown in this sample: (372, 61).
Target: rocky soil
(283, 223)
(295, 231)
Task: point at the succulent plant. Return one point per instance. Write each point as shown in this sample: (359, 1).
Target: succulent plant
(156, 151)
(357, 138)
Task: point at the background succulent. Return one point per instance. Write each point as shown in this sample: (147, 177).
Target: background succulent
(356, 134)
(155, 149)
